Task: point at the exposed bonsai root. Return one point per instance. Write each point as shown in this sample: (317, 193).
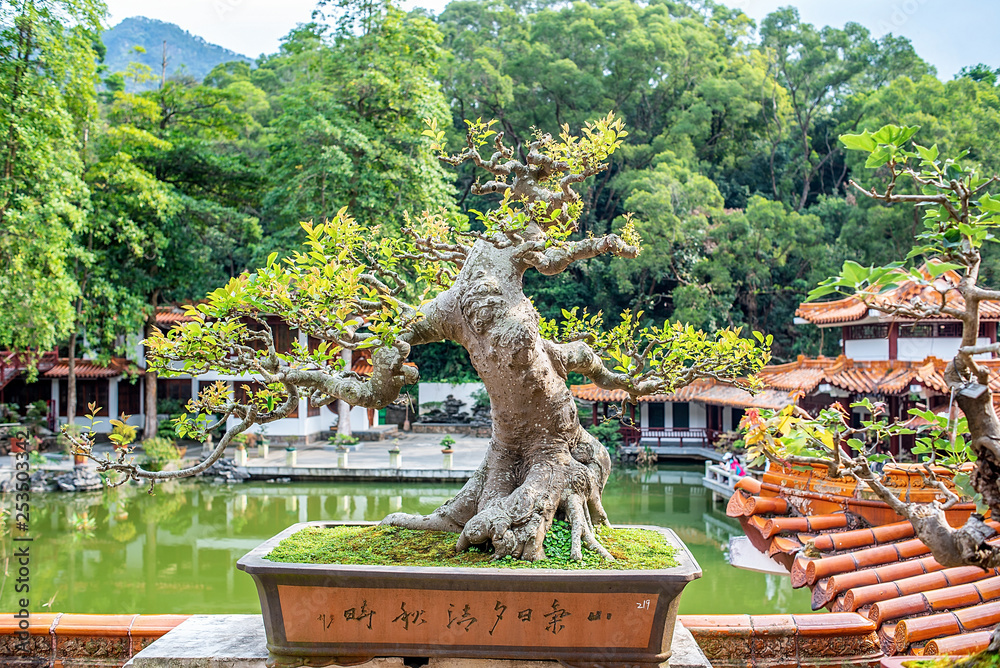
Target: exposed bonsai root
(516, 520)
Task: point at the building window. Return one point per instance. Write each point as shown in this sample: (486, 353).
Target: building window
(23, 394)
(173, 388)
(931, 330)
(737, 416)
(657, 416)
(714, 417)
(128, 398)
(682, 415)
(856, 332)
(87, 392)
(282, 335)
(241, 394)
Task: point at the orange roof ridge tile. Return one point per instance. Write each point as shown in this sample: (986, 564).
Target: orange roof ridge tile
(856, 538)
(737, 504)
(869, 577)
(759, 505)
(937, 600)
(966, 643)
(784, 546)
(777, 525)
(748, 484)
(939, 578)
(909, 631)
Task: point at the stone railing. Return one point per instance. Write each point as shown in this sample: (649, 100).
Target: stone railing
(98, 641)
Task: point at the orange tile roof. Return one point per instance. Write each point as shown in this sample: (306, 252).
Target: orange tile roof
(803, 374)
(850, 309)
(862, 377)
(362, 362)
(170, 316)
(785, 382)
(721, 394)
(826, 539)
(704, 391)
(90, 369)
(592, 392)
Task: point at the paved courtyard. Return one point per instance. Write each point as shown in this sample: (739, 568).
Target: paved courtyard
(418, 451)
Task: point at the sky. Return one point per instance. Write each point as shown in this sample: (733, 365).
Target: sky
(947, 33)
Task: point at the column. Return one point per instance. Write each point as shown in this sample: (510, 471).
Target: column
(113, 398)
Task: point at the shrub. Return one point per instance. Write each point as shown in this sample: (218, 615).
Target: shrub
(481, 398)
(609, 434)
(169, 406)
(342, 440)
(159, 452)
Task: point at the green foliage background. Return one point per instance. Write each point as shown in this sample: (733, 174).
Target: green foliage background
(114, 201)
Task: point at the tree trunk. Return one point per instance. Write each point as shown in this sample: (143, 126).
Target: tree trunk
(149, 380)
(71, 381)
(344, 408)
(540, 462)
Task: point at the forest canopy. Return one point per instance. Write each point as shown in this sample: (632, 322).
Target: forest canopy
(123, 190)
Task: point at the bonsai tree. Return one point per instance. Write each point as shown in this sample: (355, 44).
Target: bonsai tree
(352, 289)
(960, 216)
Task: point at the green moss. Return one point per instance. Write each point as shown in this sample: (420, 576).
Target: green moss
(982, 660)
(639, 549)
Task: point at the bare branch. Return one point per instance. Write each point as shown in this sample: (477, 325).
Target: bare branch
(559, 256)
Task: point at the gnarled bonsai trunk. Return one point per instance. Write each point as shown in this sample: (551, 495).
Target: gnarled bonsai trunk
(540, 461)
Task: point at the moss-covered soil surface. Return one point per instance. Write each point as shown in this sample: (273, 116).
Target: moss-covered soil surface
(639, 549)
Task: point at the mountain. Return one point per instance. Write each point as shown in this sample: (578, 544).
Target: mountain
(186, 53)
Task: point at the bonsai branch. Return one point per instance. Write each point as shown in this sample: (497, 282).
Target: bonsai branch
(558, 257)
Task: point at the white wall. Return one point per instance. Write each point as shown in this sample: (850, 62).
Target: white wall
(867, 349)
(430, 392)
(917, 350)
(699, 416)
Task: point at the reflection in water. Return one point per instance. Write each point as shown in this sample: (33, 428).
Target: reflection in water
(673, 497)
(175, 552)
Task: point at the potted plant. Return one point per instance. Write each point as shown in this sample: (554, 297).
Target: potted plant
(541, 466)
(241, 440)
(71, 430)
(395, 458)
(350, 612)
(161, 453)
(263, 443)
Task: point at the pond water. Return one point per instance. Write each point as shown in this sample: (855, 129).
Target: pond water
(176, 552)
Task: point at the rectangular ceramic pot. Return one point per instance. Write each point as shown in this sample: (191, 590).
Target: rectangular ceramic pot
(325, 614)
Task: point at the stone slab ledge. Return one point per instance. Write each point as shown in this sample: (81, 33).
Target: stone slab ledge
(238, 641)
(358, 474)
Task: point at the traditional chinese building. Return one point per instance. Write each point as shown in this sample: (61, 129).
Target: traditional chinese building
(890, 359)
(117, 387)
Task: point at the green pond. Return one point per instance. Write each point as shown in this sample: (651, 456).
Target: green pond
(124, 551)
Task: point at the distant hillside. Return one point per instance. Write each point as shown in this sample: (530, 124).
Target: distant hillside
(185, 52)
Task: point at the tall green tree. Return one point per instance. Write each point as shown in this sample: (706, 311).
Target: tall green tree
(349, 102)
(47, 106)
(174, 194)
(826, 72)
